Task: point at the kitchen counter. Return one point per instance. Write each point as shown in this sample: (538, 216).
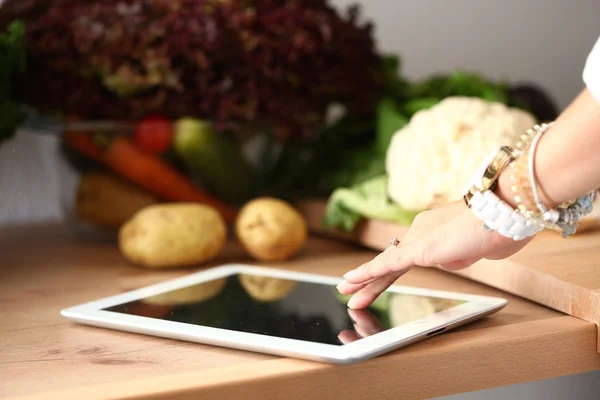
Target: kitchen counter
(43, 355)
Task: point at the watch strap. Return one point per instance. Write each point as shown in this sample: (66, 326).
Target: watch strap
(498, 216)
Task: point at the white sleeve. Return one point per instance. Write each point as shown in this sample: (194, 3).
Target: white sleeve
(591, 71)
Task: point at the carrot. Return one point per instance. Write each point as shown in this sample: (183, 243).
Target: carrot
(83, 143)
(156, 176)
(145, 170)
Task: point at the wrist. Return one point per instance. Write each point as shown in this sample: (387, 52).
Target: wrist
(518, 185)
(504, 191)
(567, 162)
(497, 214)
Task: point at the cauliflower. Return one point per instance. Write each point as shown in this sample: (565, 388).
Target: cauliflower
(432, 159)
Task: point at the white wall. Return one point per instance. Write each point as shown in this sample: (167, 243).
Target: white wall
(521, 40)
(29, 179)
(545, 41)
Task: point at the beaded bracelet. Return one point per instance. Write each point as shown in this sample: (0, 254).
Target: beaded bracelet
(528, 193)
(519, 177)
(521, 188)
(564, 218)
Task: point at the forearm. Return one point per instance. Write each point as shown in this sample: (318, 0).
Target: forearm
(567, 160)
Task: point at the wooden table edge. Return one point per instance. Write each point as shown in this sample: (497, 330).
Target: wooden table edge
(534, 351)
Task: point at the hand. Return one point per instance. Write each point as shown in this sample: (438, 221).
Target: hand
(365, 324)
(450, 236)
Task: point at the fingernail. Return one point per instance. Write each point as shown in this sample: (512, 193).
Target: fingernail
(349, 274)
(352, 302)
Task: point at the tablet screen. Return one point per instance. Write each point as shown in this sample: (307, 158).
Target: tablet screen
(308, 311)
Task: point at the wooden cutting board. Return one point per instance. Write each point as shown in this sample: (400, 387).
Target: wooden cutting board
(563, 274)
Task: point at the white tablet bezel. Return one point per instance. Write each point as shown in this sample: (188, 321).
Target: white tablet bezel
(92, 313)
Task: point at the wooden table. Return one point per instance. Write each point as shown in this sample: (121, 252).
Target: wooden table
(44, 356)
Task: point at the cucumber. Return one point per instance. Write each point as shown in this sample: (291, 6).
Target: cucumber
(213, 159)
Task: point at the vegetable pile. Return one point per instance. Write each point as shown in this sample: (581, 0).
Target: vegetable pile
(134, 162)
(202, 81)
(409, 184)
(460, 133)
(279, 63)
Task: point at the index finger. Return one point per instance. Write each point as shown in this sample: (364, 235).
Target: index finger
(393, 259)
(366, 322)
(348, 336)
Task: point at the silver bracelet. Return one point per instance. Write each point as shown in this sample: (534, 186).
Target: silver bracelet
(565, 217)
(540, 130)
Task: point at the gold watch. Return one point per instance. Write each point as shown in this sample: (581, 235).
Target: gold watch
(486, 177)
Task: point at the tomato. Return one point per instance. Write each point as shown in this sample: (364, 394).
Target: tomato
(154, 134)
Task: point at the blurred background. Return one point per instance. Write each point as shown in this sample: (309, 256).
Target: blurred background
(541, 41)
(544, 42)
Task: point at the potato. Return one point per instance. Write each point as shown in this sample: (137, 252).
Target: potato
(264, 288)
(270, 229)
(173, 235)
(107, 201)
(143, 309)
(189, 295)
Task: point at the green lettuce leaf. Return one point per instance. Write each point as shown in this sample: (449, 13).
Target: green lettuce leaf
(390, 119)
(369, 199)
(363, 164)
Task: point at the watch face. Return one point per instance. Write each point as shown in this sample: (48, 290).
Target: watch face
(477, 179)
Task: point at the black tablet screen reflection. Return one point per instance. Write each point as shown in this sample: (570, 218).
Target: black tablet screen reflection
(305, 311)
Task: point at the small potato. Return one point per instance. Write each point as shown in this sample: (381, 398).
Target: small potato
(173, 235)
(106, 201)
(270, 229)
(265, 288)
(190, 294)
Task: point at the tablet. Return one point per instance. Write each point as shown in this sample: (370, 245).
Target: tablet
(283, 313)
